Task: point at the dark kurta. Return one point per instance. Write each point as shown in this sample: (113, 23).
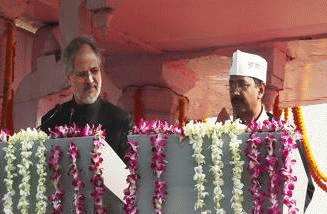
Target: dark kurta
(115, 121)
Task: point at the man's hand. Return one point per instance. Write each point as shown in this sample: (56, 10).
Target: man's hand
(223, 116)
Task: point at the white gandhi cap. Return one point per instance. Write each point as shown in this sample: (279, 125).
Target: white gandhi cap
(249, 65)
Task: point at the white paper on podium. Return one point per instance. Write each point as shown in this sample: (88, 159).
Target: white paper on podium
(114, 171)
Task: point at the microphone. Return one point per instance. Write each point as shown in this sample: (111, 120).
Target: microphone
(55, 112)
(72, 111)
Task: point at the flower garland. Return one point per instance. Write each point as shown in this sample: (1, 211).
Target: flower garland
(41, 170)
(145, 127)
(288, 139)
(130, 193)
(97, 179)
(318, 175)
(255, 170)
(24, 139)
(9, 168)
(196, 132)
(159, 166)
(161, 129)
(24, 186)
(217, 166)
(96, 160)
(272, 168)
(289, 144)
(59, 193)
(74, 154)
(233, 129)
(237, 197)
(286, 114)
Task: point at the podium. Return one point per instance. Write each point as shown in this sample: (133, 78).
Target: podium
(180, 171)
(179, 176)
(114, 174)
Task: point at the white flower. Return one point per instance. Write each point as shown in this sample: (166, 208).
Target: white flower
(216, 168)
(41, 188)
(24, 140)
(237, 198)
(196, 132)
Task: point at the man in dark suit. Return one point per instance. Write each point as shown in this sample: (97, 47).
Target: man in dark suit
(83, 71)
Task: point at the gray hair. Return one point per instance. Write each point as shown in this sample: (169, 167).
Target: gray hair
(72, 49)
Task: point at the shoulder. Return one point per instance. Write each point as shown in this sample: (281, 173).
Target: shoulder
(58, 108)
(115, 111)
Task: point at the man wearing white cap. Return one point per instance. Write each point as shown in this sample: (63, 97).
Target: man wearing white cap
(247, 86)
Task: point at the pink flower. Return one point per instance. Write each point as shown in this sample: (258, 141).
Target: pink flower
(131, 156)
(133, 145)
(130, 192)
(97, 180)
(253, 126)
(293, 210)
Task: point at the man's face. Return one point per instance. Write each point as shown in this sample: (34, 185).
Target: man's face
(245, 97)
(85, 78)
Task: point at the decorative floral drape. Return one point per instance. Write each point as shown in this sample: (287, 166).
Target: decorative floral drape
(318, 175)
(8, 92)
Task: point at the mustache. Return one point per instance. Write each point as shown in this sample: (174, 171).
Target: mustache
(237, 99)
(89, 86)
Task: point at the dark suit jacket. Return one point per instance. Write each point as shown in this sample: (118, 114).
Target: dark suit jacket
(115, 121)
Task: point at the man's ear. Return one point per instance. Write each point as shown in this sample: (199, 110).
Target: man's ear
(68, 78)
(262, 88)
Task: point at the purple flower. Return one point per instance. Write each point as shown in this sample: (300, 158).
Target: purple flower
(133, 145)
(253, 126)
(98, 142)
(97, 180)
(130, 192)
(130, 156)
(78, 183)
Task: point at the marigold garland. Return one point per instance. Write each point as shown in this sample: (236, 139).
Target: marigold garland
(318, 175)
(286, 114)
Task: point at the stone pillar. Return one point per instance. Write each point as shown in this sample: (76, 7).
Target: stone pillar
(276, 72)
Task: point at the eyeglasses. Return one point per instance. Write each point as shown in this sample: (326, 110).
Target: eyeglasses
(85, 74)
(241, 85)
